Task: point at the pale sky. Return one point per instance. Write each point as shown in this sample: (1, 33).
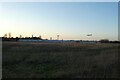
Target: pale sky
(71, 20)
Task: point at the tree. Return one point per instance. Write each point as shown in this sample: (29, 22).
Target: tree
(5, 35)
(104, 40)
(17, 38)
(9, 35)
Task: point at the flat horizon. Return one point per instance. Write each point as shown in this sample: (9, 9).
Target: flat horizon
(70, 20)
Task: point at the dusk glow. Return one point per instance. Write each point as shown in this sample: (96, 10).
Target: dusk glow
(50, 40)
(71, 20)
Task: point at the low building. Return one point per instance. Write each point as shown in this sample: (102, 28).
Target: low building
(29, 40)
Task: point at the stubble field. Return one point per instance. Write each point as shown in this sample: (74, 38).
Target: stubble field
(60, 60)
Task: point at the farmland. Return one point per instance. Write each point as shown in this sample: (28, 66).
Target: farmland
(60, 60)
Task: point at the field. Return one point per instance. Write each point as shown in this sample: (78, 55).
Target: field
(60, 60)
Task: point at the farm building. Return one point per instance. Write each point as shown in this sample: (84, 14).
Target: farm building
(30, 40)
(55, 41)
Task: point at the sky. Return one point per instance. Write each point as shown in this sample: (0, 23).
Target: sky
(70, 20)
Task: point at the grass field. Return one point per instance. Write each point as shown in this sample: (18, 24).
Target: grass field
(60, 60)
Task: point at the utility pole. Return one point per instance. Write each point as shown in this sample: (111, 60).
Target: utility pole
(20, 36)
(32, 35)
(40, 37)
(50, 38)
(58, 37)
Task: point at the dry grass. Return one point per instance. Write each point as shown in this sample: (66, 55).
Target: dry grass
(60, 60)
